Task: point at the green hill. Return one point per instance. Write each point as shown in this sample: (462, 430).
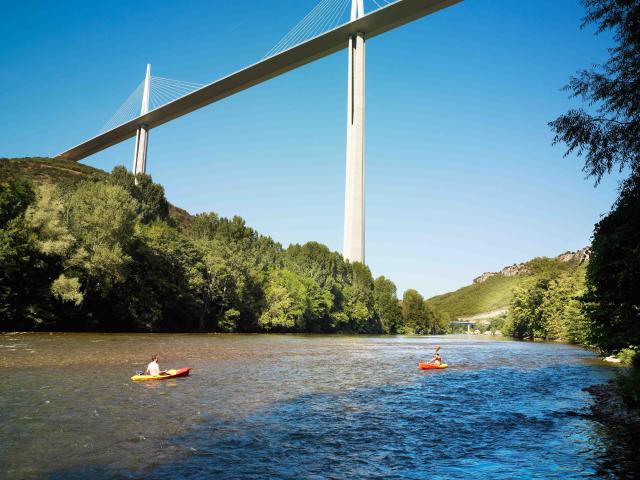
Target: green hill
(63, 172)
(52, 170)
(494, 291)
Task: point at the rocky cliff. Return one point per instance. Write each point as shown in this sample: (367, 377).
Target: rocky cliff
(579, 256)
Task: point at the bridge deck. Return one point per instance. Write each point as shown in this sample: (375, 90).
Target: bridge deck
(373, 24)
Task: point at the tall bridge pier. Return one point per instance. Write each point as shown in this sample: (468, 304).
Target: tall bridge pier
(353, 247)
(142, 134)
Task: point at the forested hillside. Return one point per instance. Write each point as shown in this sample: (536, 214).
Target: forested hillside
(497, 291)
(81, 249)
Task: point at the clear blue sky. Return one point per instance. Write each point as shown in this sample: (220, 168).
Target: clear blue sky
(461, 174)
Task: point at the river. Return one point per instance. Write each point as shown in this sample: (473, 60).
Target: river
(298, 407)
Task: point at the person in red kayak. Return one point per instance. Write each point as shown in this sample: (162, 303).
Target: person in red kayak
(154, 368)
(436, 359)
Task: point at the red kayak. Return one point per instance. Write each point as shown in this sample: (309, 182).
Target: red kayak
(431, 366)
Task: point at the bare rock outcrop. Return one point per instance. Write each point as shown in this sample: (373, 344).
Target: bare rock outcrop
(580, 256)
(484, 277)
(515, 269)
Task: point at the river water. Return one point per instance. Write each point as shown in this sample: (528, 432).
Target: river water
(298, 407)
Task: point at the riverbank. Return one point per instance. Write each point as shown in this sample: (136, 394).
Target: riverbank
(610, 409)
(620, 424)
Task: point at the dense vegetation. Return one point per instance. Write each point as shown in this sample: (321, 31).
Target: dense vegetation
(546, 304)
(84, 250)
(606, 132)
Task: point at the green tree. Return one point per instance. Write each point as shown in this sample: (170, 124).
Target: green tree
(286, 303)
(386, 304)
(230, 320)
(220, 288)
(320, 307)
(152, 203)
(438, 322)
(47, 220)
(103, 219)
(15, 196)
(204, 225)
(358, 302)
(316, 261)
(560, 318)
(612, 300)
(414, 313)
(164, 280)
(607, 135)
(25, 273)
(525, 313)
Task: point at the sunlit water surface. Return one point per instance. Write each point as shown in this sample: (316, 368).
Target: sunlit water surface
(297, 407)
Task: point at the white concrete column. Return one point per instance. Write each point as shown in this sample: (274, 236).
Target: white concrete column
(354, 187)
(142, 135)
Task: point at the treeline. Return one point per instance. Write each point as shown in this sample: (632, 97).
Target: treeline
(104, 254)
(601, 308)
(548, 305)
(597, 304)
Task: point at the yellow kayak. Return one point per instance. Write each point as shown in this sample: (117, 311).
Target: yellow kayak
(166, 375)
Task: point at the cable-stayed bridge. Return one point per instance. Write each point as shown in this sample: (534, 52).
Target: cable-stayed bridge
(329, 27)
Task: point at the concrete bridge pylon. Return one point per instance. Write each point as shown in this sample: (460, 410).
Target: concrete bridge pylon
(142, 135)
(354, 186)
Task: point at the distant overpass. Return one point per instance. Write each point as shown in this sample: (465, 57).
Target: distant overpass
(468, 323)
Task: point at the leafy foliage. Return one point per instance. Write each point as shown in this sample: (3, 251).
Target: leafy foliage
(152, 204)
(613, 288)
(25, 299)
(421, 318)
(105, 252)
(607, 135)
(548, 306)
(606, 132)
(386, 305)
(286, 299)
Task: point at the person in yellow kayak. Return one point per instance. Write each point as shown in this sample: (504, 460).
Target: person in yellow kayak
(154, 368)
(436, 359)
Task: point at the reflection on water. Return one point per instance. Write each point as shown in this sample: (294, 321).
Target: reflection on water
(258, 406)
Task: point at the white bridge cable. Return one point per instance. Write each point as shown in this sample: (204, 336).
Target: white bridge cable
(384, 2)
(298, 28)
(326, 15)
(161, 91)
(164, 90)
(129, 110)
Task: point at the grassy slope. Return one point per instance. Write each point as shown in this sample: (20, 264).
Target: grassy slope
(494, 293)
(63, 172)
(40, 169)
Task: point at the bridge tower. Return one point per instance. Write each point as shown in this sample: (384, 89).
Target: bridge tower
(142, 135)
(354, 188)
